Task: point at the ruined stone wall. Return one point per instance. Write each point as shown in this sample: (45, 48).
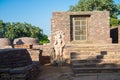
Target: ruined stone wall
(98, 25)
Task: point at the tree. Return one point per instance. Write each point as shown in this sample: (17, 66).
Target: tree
(100, 5)
(114, 22)
(1, 28)
(44, 39)
(1, 25)
(17, 30)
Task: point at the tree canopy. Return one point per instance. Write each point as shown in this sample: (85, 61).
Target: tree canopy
(17, 30)
(100, 5)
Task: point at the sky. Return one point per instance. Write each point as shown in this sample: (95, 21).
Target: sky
(35, 12)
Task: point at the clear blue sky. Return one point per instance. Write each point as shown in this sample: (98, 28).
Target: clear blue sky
(35, 12)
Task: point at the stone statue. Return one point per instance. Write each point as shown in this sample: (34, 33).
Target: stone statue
(58, 46)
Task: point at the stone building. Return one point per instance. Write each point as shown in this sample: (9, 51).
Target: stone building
(82, 27)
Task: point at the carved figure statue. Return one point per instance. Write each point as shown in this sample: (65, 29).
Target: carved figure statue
(58, 45)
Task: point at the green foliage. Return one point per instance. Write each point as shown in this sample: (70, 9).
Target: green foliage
(1, 27)
(100, 5)
(17, 30)
(44, 39)
(114, 22)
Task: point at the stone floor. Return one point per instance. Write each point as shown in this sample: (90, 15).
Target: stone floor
(49, 72)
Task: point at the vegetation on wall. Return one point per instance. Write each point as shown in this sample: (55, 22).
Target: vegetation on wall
(17, 30)
(99, 5)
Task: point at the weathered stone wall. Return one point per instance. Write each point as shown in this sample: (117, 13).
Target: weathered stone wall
(98, 25)
(60, 21)
(99, 28)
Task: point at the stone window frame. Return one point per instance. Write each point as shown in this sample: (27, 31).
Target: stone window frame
(80, 20)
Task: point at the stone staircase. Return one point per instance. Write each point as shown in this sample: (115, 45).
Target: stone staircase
(87, 60)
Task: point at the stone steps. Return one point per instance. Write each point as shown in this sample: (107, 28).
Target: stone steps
(95, 59)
